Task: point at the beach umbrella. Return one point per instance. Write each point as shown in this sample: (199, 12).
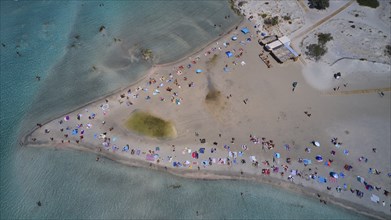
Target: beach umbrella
(360, 179)
(319, 158)
(245, 30)
(306, 161)
(315, 143)
(66, 118)
(234, 38)
(321, 179)
(375, 198)
(199, 71)
(334, 175)
(229, 54)
(105, 107)
(369, 187)
(277, 155)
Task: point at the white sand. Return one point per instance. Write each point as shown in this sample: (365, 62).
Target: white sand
(360, 120)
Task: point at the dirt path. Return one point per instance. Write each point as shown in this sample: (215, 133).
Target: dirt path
(303, 6)
(361, 91)
(323, 20)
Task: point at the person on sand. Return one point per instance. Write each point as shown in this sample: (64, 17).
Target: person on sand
(294, 84)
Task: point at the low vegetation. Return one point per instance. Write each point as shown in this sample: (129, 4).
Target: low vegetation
(146, 124)
(324, 38)
(146, 54)
(319, 4)
(241, 3)
(235, 8)
(387, 50)
(369, 3)
(286, 17)
(271, 21)
(316, 51)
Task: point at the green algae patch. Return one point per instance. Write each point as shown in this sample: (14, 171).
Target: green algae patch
(146, 124)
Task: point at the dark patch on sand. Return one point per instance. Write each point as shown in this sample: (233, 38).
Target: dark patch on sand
(215, 101)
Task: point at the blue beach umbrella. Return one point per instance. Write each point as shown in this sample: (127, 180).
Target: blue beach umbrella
(277, 155)
(199, 71)
(245, 30)
(319, 158)
(321, 179)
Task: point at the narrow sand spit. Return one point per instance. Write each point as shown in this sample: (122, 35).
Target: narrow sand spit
(237, 119)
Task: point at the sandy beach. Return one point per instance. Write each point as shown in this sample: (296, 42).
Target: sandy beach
(286, 126)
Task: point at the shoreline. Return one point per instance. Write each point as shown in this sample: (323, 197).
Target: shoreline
(209, 175)
(23, 136)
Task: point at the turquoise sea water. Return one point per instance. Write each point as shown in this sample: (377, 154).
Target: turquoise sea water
(60, 41)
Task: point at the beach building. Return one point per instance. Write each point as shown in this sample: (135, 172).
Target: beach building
(273, 45)
(268, 39)
(280, 48)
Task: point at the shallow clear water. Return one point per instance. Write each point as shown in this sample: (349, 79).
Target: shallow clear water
(61, 42)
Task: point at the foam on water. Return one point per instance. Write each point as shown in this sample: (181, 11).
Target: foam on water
(61, 42)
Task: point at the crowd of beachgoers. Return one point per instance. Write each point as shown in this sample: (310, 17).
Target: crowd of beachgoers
(316, 166)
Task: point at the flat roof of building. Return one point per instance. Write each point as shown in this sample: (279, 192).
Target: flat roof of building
(284, 40)
(269, 39)
(273, 45)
